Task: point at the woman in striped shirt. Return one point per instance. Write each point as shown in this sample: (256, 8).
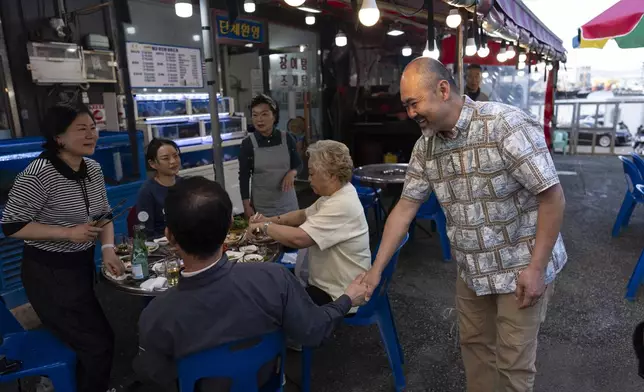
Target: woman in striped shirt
(53, 206)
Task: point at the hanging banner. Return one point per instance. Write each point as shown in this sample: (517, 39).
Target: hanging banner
(152, 65)
(243, 31)
(548, 108)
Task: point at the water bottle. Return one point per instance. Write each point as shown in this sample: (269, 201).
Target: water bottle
(140, 269)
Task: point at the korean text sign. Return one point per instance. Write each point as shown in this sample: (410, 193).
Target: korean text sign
(242, 30)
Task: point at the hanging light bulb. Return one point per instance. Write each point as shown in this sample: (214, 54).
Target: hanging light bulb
(483, 51)
(183, 8)
(395, 30)
(549, 67)
(510, 53)
(340, 39)
(502, 56)
(432, 54)
(310, 19)
(369, 13)
(406, 50)
(521, 65)
(453, 20)
(523, 57)
(295, 3)
(249, 6)
(470, 47)
(485, 74)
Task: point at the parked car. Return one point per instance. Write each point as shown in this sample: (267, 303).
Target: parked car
(623, 135)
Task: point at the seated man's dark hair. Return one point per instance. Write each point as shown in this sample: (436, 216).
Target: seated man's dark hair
(198, 213)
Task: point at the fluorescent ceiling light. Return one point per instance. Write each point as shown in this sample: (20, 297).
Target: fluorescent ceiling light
(307, 9)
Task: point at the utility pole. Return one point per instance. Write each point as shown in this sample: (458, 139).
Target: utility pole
(211, 51)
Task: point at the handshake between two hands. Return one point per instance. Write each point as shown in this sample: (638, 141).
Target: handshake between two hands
(362, 287)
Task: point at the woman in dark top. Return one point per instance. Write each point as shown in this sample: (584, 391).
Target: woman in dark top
(53, 206)
(270, 157)
(162, 156)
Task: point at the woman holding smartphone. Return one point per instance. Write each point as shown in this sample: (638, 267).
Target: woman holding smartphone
(53, 206)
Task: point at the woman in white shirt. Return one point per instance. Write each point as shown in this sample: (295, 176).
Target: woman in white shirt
(334, 228)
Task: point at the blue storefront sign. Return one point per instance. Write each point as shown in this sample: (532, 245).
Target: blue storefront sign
(242, 31)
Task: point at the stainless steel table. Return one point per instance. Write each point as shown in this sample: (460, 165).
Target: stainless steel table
(381, 175)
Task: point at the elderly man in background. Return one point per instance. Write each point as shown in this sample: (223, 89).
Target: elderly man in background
(473, 78)
(490, 168)
(334, 228)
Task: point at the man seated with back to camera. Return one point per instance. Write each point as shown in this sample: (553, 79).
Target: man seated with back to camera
(218, 301)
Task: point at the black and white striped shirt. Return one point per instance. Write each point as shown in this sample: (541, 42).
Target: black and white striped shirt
(51, 193)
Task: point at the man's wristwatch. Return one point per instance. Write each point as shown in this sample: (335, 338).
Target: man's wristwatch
(265, 227)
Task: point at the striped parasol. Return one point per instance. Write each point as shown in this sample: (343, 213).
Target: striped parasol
(622, 22)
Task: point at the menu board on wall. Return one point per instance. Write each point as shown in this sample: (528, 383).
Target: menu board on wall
(157, 66)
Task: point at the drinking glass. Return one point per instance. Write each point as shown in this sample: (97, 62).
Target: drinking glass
(172, 271)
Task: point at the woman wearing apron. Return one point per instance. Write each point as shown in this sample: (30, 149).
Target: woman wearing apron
(53, 206)
(270, 157)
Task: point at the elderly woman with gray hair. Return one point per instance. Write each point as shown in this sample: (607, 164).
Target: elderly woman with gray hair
(334, 228)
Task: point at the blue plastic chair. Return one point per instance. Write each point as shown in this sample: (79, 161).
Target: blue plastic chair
(633, 195)
(40, 352)
(370, 199)
(237, 362)
(639, 163)
(376, 311)
(432, 210)
(637, 278)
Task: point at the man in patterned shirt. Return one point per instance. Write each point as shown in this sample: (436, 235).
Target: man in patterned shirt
(490, 168)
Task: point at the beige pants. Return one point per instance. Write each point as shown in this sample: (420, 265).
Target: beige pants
(498, 341)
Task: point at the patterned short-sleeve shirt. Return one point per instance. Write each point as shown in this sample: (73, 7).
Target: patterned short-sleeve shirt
(486, 179)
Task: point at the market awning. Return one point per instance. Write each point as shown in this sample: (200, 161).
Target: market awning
(525, 19)
(622, 22)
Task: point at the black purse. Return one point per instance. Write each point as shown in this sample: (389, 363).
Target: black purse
(638, 344)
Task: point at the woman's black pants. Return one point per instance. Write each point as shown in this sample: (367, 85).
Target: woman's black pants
(64, 299)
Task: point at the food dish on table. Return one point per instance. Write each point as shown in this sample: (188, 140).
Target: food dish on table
(152, 247)
(162, 241)
(248, 248)
(252, 258)
(233, 255)
(233, 238)
(123, 249)
(239, 224)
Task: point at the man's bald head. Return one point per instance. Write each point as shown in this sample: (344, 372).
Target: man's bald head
(429, 72)
(430, 95)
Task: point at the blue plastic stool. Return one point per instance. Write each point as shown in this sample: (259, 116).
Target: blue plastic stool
(634, 195)
(432, 210)
(370, 199)
(637, 278)
(231, 361)
(40, 352)
(376, 311)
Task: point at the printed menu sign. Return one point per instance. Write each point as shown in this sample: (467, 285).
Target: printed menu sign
(155, 66)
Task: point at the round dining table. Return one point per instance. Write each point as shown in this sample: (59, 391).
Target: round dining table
(131, 286)
(383, 175)
(386, 175)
